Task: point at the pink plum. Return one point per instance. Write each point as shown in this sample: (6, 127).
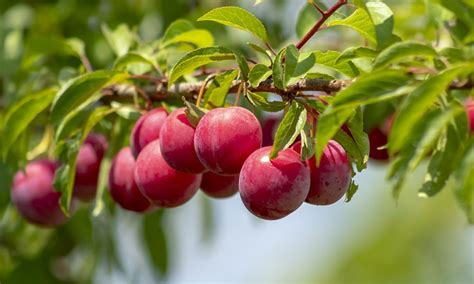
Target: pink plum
(219, 186)
(147, 129)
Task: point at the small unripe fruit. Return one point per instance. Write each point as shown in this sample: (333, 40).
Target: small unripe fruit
(225, 137)
(163, 185)
(332, 178)
(378, 139)
(470, 113)
(88, 161)
(122, 186)
(177, 143)
(272, 189)
(147, 129)
(219, 186)
(34, 196)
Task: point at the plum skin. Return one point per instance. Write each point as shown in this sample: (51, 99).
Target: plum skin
(147, 129)
(122, 186)
(34, 196)
(177, 143)
(272, 189)
(219, 186)
(163, 185)
(225, 137)
(332, 178)
(469, 105)
(88, 162)
(377, 139)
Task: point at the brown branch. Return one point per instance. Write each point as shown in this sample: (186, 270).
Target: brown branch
(324, 16)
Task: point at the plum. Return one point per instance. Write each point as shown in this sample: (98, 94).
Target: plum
(147, 129)
(219, 186)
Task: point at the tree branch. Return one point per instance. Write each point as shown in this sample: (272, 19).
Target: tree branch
(324, 16)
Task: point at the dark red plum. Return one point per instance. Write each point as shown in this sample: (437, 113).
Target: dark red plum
(219, 186)
(177, 143)
(225, 137)
(122, 186)
(34, 196)
(147, 129)
(272, 189)
(160, 183)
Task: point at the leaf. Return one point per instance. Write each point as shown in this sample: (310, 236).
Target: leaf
(360, 21)
(21, 114)
(307, 144)
(261, 50)
(328, 59)
(401, 50)
(382, 18)
(78, 90)
(369, 87)
(417, 104)
(193, 113)
(351, 191)
(307, 16)
(262, 103)
(290, 127)
(176, 28)
(356, 128)
(278, 70)
(464, 182)
(156, 241)
(238, 18)
(291, 61)
(258, 74)
(303, 66)
(120, 39)
(197, 37)
(355, 52)
(198, 58)
(442, 163)
(243, 65)
(217, 91)
(133, 58)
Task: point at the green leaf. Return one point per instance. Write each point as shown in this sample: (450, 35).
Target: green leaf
(196, 37)
(133, 58)
(21, 114)
(198, 58)
(80, 89)
(464, 182)
(442, 163)
(355, 52)
(156, 241)
(120, 39)
(217, 91)
(262, 103)
(290, 127)
(329, 123)
(356, 128)
(278, 70)
(307, 16)
(193, 113)
(382, 18)
(305, 63)
(369, 87)
(258, 74)
(243, 65)
(351, 191)
(291, 61)
(401, 50)
(328, 59)
(417, 104)
(307, 144)
(261, 50)
(361, 22)
(176, 28)
(238, 18)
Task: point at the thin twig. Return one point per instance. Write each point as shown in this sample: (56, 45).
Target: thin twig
(267, 44)
(85, 61)
(315, 5)
(324, 16)
(239, 90)
(203, 87)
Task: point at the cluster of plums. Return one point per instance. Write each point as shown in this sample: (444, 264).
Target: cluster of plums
(169, 160)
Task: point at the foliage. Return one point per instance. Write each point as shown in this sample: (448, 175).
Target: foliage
(56, 76)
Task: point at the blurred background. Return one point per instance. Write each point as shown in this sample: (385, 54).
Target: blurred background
(372, 239)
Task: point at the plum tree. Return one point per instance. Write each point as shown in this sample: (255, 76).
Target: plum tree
(332, 178)
(34, 196)
(219, 186)
(177, 143)
(147, 129)
(122, 185)
(272, 189)
(88, 162)
(163, 185)
(225, 137)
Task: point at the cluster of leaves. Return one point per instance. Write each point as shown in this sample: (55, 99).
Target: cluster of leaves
(411, 79)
